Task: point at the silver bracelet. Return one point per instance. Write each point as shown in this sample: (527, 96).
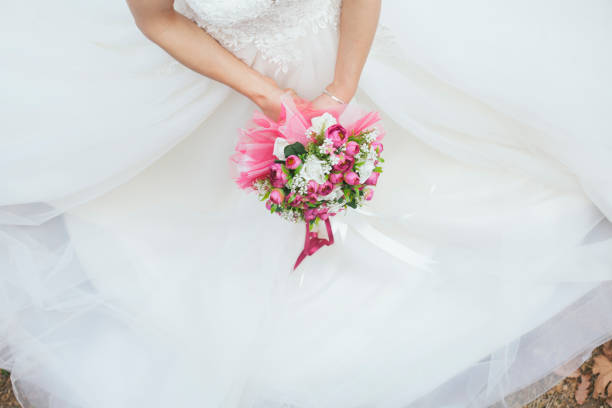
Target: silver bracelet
(334, 97)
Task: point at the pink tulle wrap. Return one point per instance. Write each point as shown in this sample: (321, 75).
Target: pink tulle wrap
(255, 147)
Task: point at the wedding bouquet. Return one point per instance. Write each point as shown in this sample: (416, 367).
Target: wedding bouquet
(311, 164)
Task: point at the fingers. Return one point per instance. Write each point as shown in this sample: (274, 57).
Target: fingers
(300, 102)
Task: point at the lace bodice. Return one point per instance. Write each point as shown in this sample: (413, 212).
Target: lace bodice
(271, 26)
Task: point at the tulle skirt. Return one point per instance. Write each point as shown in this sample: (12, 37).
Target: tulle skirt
(135, 273)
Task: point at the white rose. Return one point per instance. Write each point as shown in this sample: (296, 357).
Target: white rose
(365, 170)
(313, 169)
(320, 123)
(279, 147)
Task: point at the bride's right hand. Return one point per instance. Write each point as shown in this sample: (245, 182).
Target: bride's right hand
(269, 100)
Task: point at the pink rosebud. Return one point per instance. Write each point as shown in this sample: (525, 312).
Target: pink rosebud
(351, 178)
(313, 198)
(376, 145)
(296, 201)
(269, 204)
(310, 214)
(326, 188)
(373, 179)
(335, 178)
(293, 162)
(337, 134)
(277, 196)
(369, 194)
(345, 164)
(352, 148)
(312, 187)
(278, 178)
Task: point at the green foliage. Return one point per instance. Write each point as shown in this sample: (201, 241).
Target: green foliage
(266, 196)
(320, 137)
(294, 149)
(4, 373)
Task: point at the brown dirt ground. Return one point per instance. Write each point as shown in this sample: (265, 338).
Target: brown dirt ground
(560, 396)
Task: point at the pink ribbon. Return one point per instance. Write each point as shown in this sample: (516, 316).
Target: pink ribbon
(312, 242)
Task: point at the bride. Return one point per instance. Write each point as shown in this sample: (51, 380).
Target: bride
(134, 273)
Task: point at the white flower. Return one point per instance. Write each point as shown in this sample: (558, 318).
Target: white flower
(371, 135)
(334, 159)
(314, 169)
(365, 170)
(279, 147)
(298, 185)
(326, 147)
(321, 123)
(262, 187)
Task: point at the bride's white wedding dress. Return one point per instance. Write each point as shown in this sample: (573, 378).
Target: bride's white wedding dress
(134, 273)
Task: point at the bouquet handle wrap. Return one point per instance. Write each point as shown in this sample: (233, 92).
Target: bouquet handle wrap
(312, 243)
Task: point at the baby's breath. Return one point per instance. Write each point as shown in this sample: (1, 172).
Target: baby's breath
(262, 186)
(371, 135)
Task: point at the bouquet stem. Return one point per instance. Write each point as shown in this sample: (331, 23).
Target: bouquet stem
(312, 242)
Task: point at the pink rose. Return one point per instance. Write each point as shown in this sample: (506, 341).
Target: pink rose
(376, 145)
(369, 194)
(351, 178)
(293, 162)
(278, 178)
(277, 196)
(335, 178)
(352, 148)
(373, 179)
(337, 134)
(326, 188)
(313, 198)
(345, 164)
(296, 201)
(312, 187)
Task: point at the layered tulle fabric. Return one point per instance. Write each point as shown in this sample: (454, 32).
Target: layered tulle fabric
(135, 273)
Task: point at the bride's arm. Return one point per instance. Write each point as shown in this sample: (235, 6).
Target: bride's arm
(358, 22)
(196, 49)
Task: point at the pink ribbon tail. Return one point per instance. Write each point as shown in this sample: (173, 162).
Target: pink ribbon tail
(312, 242)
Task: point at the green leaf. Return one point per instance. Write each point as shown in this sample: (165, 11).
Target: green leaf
(294, 149)
(380, 159)
(279, 161)
(266, 196)
(377, 170)
(346, 194)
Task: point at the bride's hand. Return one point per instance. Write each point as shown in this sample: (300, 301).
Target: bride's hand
(269, 100)
(324, 102)
(271, 106)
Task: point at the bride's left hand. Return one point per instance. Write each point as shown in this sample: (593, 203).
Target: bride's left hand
(324, 102)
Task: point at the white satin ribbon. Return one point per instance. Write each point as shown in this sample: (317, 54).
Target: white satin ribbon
(382, 241)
